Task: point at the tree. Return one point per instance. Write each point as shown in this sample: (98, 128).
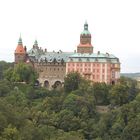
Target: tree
(72, 81)
(100, 92)
(8, 74)
(21, 73)
(132, 86)
(119, 94)
(4, 88)
(81, 106)
(10, 133)
(3, 122)
(67, 121)
(4, 66)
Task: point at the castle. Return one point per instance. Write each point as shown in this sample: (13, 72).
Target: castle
(52, 67)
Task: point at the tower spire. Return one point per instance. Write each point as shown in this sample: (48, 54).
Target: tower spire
(85, 31)
(86, 25)
(20, 40)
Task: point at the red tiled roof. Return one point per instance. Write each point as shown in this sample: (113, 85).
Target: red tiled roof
(20, 49)
(84, 45)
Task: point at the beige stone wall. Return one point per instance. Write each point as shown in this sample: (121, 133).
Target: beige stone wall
(51, 72)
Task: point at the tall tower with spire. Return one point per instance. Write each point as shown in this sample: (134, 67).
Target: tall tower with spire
(85, 45)
(20, 52)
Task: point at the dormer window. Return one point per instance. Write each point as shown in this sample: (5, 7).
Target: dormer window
(96, 59)
(80, 59)
(88, 59)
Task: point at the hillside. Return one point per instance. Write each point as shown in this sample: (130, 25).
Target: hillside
(80, 110)
(132, 75)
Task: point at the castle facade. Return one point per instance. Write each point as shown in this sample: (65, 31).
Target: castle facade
(52, 67)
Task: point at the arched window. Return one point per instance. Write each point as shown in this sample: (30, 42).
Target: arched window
(57, 85)
(46, 84)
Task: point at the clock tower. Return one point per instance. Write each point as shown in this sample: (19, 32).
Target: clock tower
(85, 45)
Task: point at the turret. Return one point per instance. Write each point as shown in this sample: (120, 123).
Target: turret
(20, 52)
(36, 44)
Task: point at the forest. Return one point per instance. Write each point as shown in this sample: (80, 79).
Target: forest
(30, 112)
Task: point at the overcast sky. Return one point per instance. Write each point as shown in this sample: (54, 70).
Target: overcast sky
(57, 24)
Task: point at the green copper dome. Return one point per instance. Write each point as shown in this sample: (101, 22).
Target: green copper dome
(86, 32)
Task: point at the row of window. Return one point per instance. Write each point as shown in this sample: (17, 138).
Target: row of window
(89, 64)
(86, 69)
(50, 69)
(86, 64)
(94, 77)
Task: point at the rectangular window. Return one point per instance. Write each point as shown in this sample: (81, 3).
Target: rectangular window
(116, 65)
(113, 74)
(113, 65)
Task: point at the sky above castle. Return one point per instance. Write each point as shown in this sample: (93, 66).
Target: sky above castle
(57, 24)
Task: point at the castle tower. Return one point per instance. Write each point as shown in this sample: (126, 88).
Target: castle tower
(85, 45)
(20, 52)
